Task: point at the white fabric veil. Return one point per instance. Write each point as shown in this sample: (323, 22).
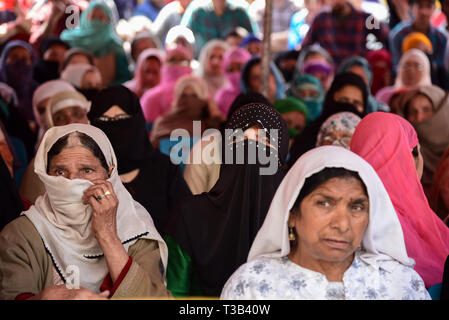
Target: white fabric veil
(383, 239)
(64, 222)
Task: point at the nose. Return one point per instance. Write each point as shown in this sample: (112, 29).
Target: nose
(419, 116)
(340, 219)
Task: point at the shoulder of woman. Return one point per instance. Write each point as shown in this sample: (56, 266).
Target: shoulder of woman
(19, 230)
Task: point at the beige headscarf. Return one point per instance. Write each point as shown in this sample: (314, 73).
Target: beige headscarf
(64, 222)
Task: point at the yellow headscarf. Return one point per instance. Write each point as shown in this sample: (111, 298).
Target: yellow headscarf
(412, 39)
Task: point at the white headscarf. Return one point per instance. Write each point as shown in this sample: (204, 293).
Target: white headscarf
(383, 239)
(64, 222)
(75, 72)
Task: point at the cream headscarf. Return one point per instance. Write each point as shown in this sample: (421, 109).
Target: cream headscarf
(383, 239)
(64, 222)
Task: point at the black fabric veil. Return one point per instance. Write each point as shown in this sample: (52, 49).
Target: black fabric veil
(160, 184)
(217, 228)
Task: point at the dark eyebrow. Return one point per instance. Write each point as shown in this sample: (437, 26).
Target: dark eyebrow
(360, 201)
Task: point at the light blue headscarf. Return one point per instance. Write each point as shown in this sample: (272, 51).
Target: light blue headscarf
(94, 35)
(373, 105)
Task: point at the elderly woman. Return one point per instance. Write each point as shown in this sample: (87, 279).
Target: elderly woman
(390, 145)
(338, 130)
(331, 233)
(86, 231)
(427, 108)
(62, 108)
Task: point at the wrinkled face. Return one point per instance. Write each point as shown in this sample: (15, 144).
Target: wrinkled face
(77, 162)
(331, 221)
(215, 61)
(55, 53)
(255, 82)
(151, 72)
(91, 80)
(70, 115)
(412, 71)
(420, 108)
(350, 94)
(17, 54)
(295, 120)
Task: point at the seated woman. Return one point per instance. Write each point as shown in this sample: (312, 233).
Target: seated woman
(63, 108)
(149, 176)
(294, 112)
(413, 71)
(338, 130)
(209, 236)
(361, 67)
(331, 233)
(427, 108)
(96, 34)
(86, 233)
(191, 103)
(308, 89)
(251, 79)
(210, 67)
(233, 61)
(390, 145)
(348, 93)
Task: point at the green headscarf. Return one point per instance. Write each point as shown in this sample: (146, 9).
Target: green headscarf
(94, 35)
(290, 104)
(307, 81)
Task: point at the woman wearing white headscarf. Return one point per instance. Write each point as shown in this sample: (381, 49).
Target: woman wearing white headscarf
(413, 71)
(331, 233)
(86, 231)
(211, 65)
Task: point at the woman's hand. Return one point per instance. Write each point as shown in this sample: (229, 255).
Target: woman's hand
(101, 197)
(62, 293)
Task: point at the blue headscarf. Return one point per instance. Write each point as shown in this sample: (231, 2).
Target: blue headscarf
(373, 105)
(244, 79)
(96, 36)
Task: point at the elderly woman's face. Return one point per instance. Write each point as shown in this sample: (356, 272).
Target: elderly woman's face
(77, 162)
(412, 71)
(331, 221)
(70, 115)
(215, 61)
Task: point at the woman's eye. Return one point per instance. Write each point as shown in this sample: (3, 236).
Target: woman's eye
(59, 172)
(323, 203)
(358, 207)
(88, 170)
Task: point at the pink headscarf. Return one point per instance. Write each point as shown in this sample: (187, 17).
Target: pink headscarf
(136, 84)
(226, 95)
(385, 141)
(158, 100)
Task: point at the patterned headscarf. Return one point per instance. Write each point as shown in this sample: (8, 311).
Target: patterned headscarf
(342, 121)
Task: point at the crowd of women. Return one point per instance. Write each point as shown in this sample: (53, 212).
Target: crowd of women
(94, 206)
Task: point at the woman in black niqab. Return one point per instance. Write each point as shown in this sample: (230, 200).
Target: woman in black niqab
(159, 184)
(216, 229)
